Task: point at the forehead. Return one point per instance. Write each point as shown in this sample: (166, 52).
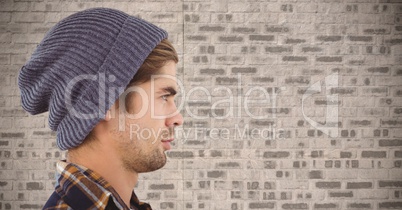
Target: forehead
(169, 68)
(166, 75)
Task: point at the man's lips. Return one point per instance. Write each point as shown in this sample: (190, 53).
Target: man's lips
(168, 140)
(166, 143)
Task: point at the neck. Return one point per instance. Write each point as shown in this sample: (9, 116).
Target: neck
(106, 164)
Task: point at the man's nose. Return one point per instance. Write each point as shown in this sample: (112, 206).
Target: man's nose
(175, 120)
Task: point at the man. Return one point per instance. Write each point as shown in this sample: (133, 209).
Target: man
(108, 82)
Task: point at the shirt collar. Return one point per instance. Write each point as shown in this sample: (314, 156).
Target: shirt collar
(82, 187)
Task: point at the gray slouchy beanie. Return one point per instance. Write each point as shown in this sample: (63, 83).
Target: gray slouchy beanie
(82, 66)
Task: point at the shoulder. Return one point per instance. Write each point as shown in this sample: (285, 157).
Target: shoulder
(56, 202)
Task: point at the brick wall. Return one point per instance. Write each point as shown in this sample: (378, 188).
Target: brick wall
(305, 107)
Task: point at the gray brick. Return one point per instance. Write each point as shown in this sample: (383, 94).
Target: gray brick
(244, 30)
(397, 93)
(360, 38)
(328, 185)
(200, 59)
(261, 205)
(226, 81)
(343, 91)
(269, 186)
(196, 38)
(34, 186)
(329, 38)
(374, 154)
(325, 206)
(390, 142)
(346, 155)
(153, 196)
(360, 123)
(261, 38)
(329, 59)
(294, 41)
(390, 205)
(278, 110)
(276, 29)
(391, 122)
(279, 154)
(279, 174)
(230, 38)
(249, 49)
(43, 134)
(4, 143)
(278, 49)
(207, 49)
(216, 174)
(252, 185)
(312, 49)
(269, 164)
(326, 102)
(295, 206)
(376, 31)
(200, 103)
(359, 185)
(3, 184)
(228, 165)
(168, 17)
(30, 206)
(297, 80)
(315, 154)
(229, 60)
(225, 17)
(381, 70)
(263, 79)
(235, 195)
(262, 122)
(12, 135)
(209, 71)
(287, 7)
(195, 142)
(244, 70)
(341, 194)
(359, 205)
(161, 187)
(209, 28)
(192, 18)
(390, 184)
(167, 205)
(180, 154)
(295, 58)
(398, 72)
(393, 41)
(216, 153)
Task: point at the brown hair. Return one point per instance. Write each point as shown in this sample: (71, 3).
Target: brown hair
(161, 54)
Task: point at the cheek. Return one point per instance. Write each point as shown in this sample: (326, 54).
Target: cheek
(164, 109)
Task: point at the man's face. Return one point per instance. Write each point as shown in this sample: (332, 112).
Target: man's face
(149, 123)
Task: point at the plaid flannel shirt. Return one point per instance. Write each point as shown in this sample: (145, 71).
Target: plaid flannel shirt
(81, 188)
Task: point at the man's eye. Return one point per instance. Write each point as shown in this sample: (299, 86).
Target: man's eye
(165, 97)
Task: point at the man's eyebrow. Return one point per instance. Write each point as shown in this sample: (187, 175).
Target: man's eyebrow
(172, 91)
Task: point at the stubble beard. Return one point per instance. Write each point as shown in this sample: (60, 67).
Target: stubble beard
(135, 159)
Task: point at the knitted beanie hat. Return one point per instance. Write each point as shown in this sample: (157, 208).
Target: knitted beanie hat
(82, 66)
